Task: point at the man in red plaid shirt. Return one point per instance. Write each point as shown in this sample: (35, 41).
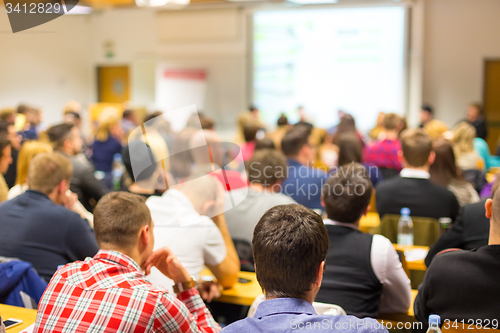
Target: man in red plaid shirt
(109, 292)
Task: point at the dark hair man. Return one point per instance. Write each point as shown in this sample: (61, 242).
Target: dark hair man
(426, 115)
(38, 225)
(15, 141)
(412, 188)
(109, 292)
(290, 244)
(304, 182)
(463, 285)
(363, 273)
(66, 139)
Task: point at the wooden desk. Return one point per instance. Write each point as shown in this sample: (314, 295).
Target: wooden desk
(26, 315)
(369, 222)
(417, 265)
(240, 293)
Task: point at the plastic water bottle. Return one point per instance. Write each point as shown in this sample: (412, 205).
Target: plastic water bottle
(117, 171)
(434, 321)
(405, 228)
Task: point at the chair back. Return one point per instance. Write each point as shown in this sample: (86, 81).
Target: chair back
(425, 229)
(244, 251)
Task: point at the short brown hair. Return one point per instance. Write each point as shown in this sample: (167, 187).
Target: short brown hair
(4, 142)
(58, 134)
(391, 121)
(267, 167)
(47, 170)
(417, 146)
(289, 243)
(118, 217)
(347, 193)
(296, 138)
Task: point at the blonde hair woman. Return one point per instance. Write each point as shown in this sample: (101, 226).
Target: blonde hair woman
(107, 143)
(463, 145)
(29, 150)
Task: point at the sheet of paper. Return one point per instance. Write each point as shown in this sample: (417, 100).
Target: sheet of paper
(28, 329)
(415, 254)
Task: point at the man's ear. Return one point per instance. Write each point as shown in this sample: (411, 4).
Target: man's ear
(144, 235)
(319, 274)
(322, 200)
(432, 158)
(488, 206)
(367, 209)
(61, 188)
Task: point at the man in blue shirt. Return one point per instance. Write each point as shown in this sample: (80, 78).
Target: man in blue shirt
(289, 246)
(304, 183)
(37, 227)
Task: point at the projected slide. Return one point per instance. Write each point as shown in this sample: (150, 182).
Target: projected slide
(329, 59)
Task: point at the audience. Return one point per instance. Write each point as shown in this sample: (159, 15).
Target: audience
(304, 183)
(350, 150)
(426, 115)
(15, 141)
(463, 285)
(5, 161)
(463, 143)
(66, 139)
(412, 188)
(475, 117)
(384, 154)
(39, 226)
(189, 220)
(290, 245)
(266, 171)
(347, 125)
(379, 128)
(363, 273)
(107, 142)
(210, 156)
(250, 135)
(444, 172)
(110, 292)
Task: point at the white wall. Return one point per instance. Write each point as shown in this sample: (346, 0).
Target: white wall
(46, 66)
(459, 34)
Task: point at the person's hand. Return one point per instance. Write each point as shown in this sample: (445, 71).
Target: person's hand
(209, 290)
(70, 199)
(168, 264)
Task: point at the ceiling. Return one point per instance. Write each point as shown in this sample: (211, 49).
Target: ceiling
(127, 3)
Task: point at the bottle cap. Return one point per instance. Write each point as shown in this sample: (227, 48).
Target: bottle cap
(405, 211)
(434, 319)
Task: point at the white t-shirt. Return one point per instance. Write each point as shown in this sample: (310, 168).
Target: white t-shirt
(193, 238)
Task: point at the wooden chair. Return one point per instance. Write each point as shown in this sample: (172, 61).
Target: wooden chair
(425, 229)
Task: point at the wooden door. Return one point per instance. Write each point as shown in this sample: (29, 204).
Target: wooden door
(113, 84)
(491, 100)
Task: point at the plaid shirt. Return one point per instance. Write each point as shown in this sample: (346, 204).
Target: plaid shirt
(383, 154)
(109, 293)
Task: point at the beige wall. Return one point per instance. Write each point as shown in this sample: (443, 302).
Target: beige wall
(459, 34)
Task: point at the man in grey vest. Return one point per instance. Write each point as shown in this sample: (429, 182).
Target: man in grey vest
(363, 273)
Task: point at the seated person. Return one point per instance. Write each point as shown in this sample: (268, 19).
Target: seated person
(290, 245)
(38, 226)
(470, 230)
(363, 273)
(304, 183)
(66, 139)
(463, 285)
(266, 171)
(412, 188)
(385, 153)
(5, 161)
(209, 156)
(110, 292)
(190, 222)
